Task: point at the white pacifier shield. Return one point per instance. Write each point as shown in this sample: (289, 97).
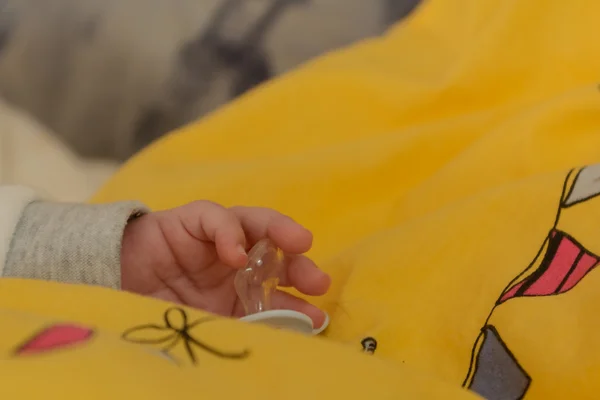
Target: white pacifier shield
(287, 319)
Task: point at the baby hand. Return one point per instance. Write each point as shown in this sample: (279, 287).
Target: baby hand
(190, 255)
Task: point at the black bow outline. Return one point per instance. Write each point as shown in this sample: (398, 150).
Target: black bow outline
(176, 334)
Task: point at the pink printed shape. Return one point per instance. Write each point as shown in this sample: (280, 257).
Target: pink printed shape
(561, 264)
(585, 265)
(512, 292)
(569, 265)
(56, 337)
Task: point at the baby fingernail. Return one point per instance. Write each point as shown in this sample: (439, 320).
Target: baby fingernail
(241, 249)
(321, 272)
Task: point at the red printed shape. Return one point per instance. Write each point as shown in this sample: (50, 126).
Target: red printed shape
(565, 264)
(564, 259)
(54, 338)
(585, 265)
(512, 292)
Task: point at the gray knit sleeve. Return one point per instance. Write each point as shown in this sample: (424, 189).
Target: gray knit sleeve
(71, 243)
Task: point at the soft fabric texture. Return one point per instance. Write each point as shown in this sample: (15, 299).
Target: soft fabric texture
(74, 342)
(63, 242)
(440, 169)
(31, 155)
(13, 200)
(70, 243)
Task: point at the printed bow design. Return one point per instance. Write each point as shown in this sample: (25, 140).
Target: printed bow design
(176, 329)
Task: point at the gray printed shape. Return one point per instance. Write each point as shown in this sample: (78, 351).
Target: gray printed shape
(586, 186)
(498, 375)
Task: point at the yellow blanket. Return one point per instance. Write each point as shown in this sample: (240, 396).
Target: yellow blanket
(123, 346)
(440, 169)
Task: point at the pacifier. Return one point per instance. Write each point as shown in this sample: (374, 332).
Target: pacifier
(255, 285)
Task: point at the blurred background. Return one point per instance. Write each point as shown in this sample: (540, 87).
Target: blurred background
(84, 84)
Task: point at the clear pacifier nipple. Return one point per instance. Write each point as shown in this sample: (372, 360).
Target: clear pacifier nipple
(255, 285)
(257, 281)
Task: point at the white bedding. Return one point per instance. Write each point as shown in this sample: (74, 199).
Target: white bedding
(30, 155)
